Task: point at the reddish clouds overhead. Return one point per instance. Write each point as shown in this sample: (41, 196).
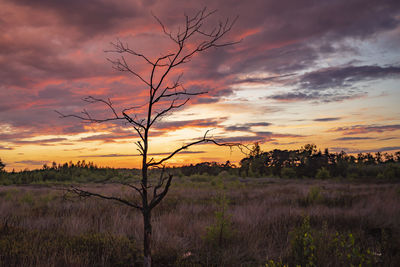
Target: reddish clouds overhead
(305, 71)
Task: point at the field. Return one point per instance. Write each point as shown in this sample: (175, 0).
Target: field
(207, 221)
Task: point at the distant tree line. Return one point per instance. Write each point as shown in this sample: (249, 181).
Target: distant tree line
(306, 162)
(310, 162)
(80, 172)
(208, 168)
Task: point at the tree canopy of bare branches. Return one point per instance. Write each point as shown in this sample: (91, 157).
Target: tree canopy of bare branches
(164, 97)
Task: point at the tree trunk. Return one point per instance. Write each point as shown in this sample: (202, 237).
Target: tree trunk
(147, 238)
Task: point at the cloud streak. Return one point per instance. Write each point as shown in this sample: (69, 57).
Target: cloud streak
(363, 129)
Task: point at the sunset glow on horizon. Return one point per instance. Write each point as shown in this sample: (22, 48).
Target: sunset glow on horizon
(325, 72)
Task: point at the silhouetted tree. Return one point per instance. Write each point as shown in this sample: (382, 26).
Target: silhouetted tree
(190, 39)
(2, 166)
(308, 161)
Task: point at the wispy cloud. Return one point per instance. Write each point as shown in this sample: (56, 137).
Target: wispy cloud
(355, 151)
(137, 155)
(353, 138)
(327, 119)
(202, 123)
(362, 129)
(6, 148)
(346, 76)
(32, 162)
(247, 127)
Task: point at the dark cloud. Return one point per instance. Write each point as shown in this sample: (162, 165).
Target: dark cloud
(91, 17)
(362, 129)
(137, 155)
(257, 137)
(73, 129)
(6, 148)
(327, 119)
(241, 139)
(245, 127)
(295, 96)
(40, 142)
(277, 135)
(284, 143)
(108, 138)
(110, 155)
(213, 96)
(340, 77)
(32, 162)
(51, 54)
(335, 84)
(355, 151)
(295, 38)
(174, 125)
(353, 138)
(389, 148)
(263, 80)
(207, 100)
(316, 96)
(9, 137)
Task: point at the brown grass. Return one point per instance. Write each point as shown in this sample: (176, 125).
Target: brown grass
(263, 213)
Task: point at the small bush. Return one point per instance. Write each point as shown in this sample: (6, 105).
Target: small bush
(322, 173)
(288, 173)
(302, 245)
(313, 197)
(311, 247)
(222, 230)
(272, 263)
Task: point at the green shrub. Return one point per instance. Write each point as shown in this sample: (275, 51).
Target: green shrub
(302, 245)
(313, 196)
(221, 232)
(322, 173)
(224, 174)
(272, 263)
(288, 173)
(311, 247)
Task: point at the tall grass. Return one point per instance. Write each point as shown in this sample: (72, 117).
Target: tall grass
(40, 227)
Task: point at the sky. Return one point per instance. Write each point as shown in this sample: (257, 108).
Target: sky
(321, 72)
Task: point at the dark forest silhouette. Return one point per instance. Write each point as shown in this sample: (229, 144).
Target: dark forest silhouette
(306, 162)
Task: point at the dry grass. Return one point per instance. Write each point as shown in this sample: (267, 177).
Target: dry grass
(263, 213)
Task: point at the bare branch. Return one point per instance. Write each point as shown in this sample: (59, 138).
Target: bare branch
(86, 117)
(132, 121)
(160, 182)
(191, 38)
(203, 140)
(165, 111)
(123, 66)
(84, 193)
(140, 191)
(121, 48)
(92, 100)
(169, 34)
(155, 201)
(183, 93)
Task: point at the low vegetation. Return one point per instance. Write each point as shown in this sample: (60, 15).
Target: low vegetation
(278, 208)
(306, 162)
(218, 221)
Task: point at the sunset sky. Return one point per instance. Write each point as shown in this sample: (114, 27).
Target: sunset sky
(322, 72)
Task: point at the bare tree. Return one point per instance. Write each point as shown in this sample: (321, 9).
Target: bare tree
(163, 98)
